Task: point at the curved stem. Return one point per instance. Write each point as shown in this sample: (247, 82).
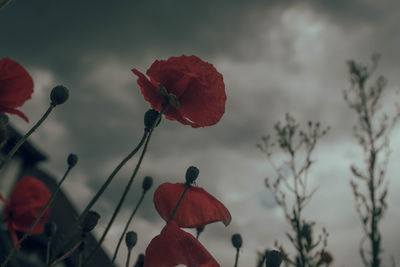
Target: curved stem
(27, 233)
(126, 227)
(69, 253)
(100, 192)
(237, 257)
(25, 137)
(124, 194)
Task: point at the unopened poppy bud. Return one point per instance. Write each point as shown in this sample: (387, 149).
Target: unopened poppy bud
(149, 118)
(237, 241)
(72, 160)
(50, 229)
(191, 174)
(273, 259)
(90, 221)
(147, 183)
(59, 95)
(130, 239)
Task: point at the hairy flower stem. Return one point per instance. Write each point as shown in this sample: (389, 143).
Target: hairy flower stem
(27, 233)
(237, 257)
(25, 137)
(179, 202)
(71, 230)
(69, 253)
(125, 193)
(126, 227)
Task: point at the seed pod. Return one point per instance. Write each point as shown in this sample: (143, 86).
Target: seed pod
(90, 221)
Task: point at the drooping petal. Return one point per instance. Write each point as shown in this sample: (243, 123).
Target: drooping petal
(198, 207)
(174, 246)
(16, 86)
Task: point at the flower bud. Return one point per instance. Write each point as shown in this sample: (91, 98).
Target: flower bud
(90, 221)
(191, 174)
(149, 118)
(237, 241)
(130, 239)
(50, 229)
(147, 183)
(273, 259)
(59, 95)
(72, 160)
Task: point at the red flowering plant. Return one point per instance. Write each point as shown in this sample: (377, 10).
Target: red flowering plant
(26, 202)
(183, 205)
(16, 86)
(194, 89)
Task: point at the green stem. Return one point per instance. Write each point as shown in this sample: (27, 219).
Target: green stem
(179, 202)
(25, 137)
(128, 258)
(100, 192)
(126, 227)
(237, 257)
(48, 251)
(27, 233)
(124, 194)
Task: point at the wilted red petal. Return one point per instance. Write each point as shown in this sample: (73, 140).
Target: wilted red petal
(27, 200)
(197, 208)
(16, 86)
(174, 246)
(198, 86)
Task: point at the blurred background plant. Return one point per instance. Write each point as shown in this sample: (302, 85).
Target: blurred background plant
(292, 179)
(372, 132)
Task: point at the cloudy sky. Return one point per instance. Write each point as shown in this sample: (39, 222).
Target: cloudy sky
(275, 56)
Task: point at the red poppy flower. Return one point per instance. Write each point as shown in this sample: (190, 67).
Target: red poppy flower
(16, 86)
(197, 85)
(174, 246)
(25, 204)
(198, 207)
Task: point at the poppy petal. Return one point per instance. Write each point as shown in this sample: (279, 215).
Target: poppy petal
(26, 202)
(174, 246)
(199, 87)
(198, 207)
(16, 86)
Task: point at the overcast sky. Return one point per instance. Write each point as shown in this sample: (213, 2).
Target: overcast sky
(275, 57)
